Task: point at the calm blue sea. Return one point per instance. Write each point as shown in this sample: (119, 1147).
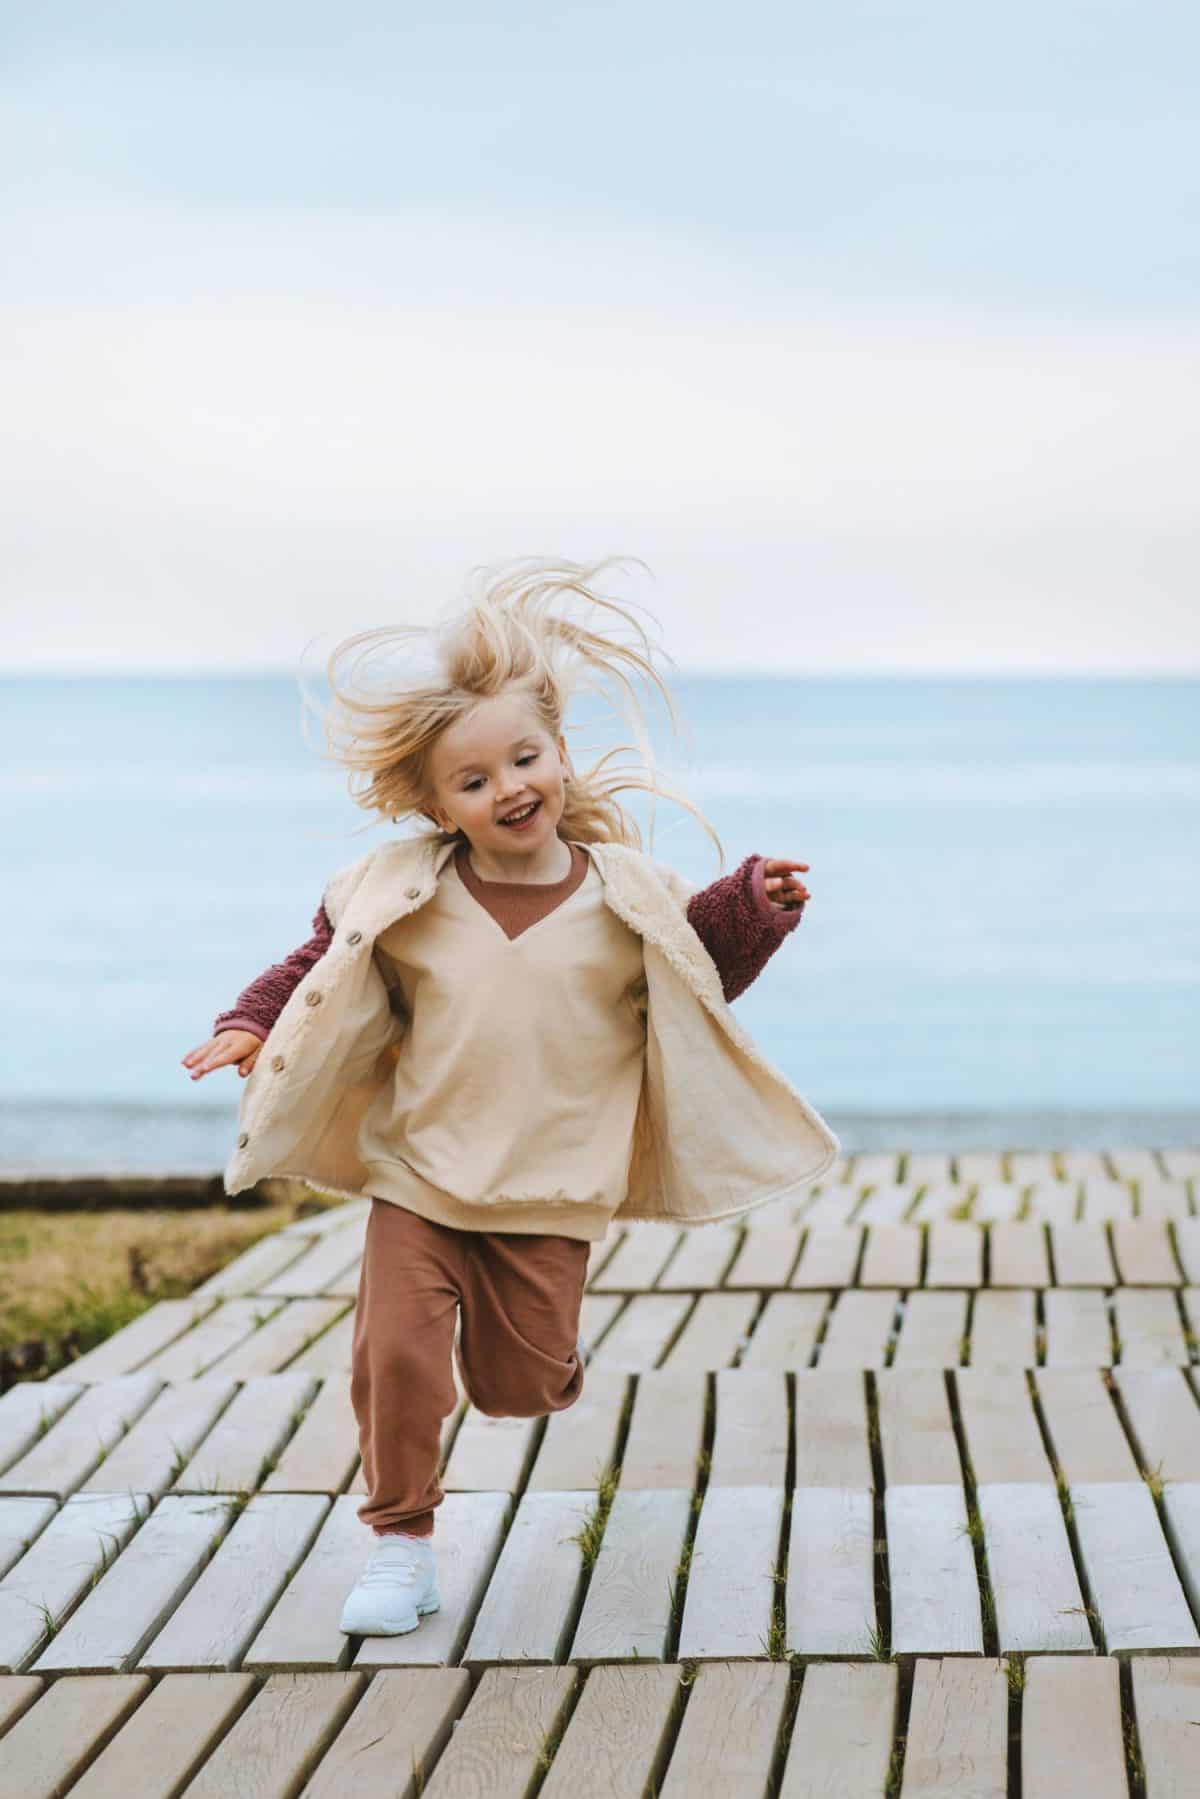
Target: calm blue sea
(1005, 878)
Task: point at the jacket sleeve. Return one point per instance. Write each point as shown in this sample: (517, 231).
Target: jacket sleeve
(259, 1005)
(738, 925)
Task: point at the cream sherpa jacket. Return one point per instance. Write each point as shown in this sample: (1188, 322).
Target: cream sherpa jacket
(719, 1130)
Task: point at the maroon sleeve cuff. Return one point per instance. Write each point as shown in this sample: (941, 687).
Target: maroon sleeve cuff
(237, 1021)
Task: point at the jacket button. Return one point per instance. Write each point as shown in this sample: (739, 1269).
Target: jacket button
(243, 1139)
(412, 893)
(354, 937)
(277, 1063)
(312, 997)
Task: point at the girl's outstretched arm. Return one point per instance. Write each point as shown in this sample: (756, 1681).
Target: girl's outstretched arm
(739, 926)
(259, 1005)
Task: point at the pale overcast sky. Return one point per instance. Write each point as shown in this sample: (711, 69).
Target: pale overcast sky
(872, 328)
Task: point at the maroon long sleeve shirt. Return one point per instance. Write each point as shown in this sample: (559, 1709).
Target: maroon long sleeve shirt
(734, 919)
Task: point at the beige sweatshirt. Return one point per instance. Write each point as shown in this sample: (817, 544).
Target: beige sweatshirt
(517, 1082)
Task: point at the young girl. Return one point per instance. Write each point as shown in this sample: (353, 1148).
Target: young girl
(508, 1031)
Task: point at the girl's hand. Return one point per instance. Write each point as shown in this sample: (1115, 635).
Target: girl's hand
(784, 889)
(241, 1047)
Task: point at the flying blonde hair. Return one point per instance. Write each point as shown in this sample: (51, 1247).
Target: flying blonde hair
(508, 640)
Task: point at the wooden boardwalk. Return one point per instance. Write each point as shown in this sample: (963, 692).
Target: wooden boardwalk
(894, 1488)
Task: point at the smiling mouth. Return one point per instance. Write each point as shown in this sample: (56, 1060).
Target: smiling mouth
(525, 813)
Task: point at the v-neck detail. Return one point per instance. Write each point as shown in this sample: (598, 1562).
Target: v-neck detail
(523, 893)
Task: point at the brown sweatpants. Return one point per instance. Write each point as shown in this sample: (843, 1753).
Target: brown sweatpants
(519, 1295)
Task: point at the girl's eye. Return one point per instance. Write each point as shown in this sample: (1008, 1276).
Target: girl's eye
(521, 761)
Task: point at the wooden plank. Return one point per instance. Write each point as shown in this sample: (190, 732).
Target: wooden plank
(642, 1332)
(1164, 1420)
(924, 1166)
(218, 1619)
(329, 1353)
(1032, 1165)
(1086, 1438)
(1134, 1164)
(281, 1736)
(1001, 1429)
(59, 1567)
(1078, 1334)
(716, 1331)
(468, 1531)
(886, 1205)
(766, 1259)
(626, 1612)
(269, 1350)
(701, 1259)
(1003, 1329)
(1129, 1569)
(832, 1208)
(785, 1335)
(331, 1218)
(1054, 1202)
(147, 1458)
(948, 1201)
(1163, 1199)
(249, 1272)
(933, 1329)
(601, 1251)
(616, 1737)
(666, 1431)
(395, 1733)
(490, 1455)
(728, 1737)
(639, 1258)
(731, 1575)
(596, 1313)
(579, 1442)
(1166, 1699)
(829, 1257)
(916, 1434)
(751, 1440)
(955, 1256)
(28, 1410)
(163, 1743)
(841, 1741)
(858, 1330)
(832, 1448)
(957, 1745)
(1180, 1164)
(499, 1741)
(1149, 1329)
(830, 1608)
(874, 1168)
(53, 1741)
(78, 1441)
(220, 1331)
(1143, 1253)
(132, 1601)
(1071, 1719)
(931, 1572)
(323, 1454)
(149, 1332)
(320, 1269)
(1081, 1256)
(1181, 1521)
(1038, 1604)
(254, 1426)
(1018, 1255)
(530, 1600)
(892, 1257)
(998, 1202)
(1186, 1232)
(21, 1521)
(972, 1166)
(1104, 1200)
(1084, 1164)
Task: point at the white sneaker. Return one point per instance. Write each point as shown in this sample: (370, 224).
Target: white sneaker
(395, 1590)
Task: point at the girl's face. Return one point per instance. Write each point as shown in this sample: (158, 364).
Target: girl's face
(496, 760)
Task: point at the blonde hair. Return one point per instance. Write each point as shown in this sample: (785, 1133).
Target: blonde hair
(508, 640)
